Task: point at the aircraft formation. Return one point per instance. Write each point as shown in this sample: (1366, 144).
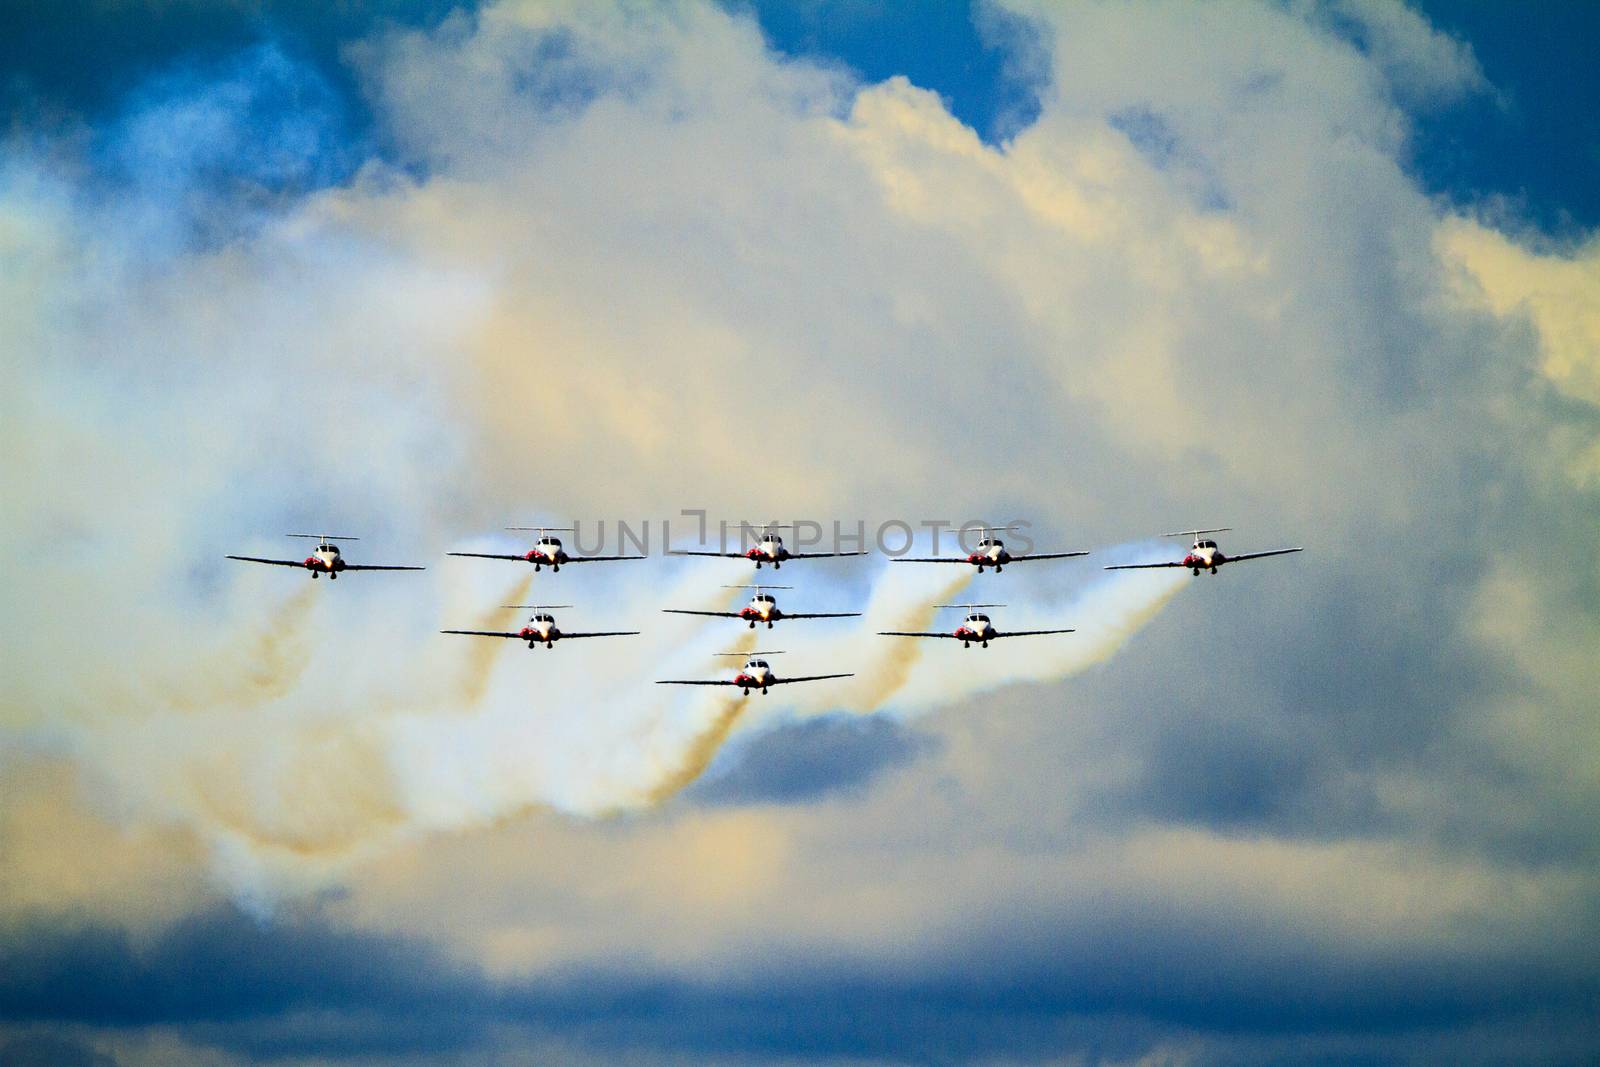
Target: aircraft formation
(763, 610)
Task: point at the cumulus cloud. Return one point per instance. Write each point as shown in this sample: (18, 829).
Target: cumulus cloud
(624, 260)
(1425, 66)
(385, 322)
(1558, 293)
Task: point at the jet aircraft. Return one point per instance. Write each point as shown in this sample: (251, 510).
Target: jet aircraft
(976, 627)
(991, 552)
(547, 552)
(1203, 554)
(324, 559)
(763, 607)
(541, 629)
(755, 674)
(770, 549)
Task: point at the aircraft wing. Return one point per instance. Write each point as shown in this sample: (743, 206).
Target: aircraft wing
(378, 567)
(808, 678)
(486, 633)
(276, 562)
(929, 559)
(489, 555)
(601, 633)
(909, 633)
(822, 555)
(598, 559)
(674, 681)
(1142, 566)
(1262, 555)
(1046, 555)
(822, 614)
(698, 552)
(1028, 633)
(713, 614)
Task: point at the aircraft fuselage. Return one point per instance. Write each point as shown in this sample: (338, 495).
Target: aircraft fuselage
(771, 552)
(1204, 558)
(980, 632)
(324, 561)
(992, 555)
(754, 678)
(758, 613)
(540, 633)
(552, 556)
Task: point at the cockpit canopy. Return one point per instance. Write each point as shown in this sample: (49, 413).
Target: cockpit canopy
(990, 542)
(771, 539)
(1205, 544)
(757, 663)
(549, 542)
(544, 618)
(977, 618)
(325, 547)
(764, 598)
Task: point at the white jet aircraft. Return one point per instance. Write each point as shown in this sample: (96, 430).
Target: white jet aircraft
(991, 552)
(548, 552)
(1203, 554)
(769, 550)
(324, 559)
(542, 629)
(755, 674)
(976, 627)
(763, 607)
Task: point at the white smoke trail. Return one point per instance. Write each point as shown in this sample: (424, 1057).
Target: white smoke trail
(292, 783)
(1104, 609)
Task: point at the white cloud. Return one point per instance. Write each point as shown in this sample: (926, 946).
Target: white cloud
(1559, 293)
(641, 264)
(1424, 65)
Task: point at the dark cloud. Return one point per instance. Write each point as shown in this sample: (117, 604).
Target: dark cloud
(1356, 685)
(217, 966)
(51, 1050)
(797, 762)
(1114, 982)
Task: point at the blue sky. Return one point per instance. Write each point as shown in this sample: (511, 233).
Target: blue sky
(1324, 273)
(1534, 140)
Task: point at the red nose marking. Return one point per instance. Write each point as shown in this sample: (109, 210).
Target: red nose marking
(532, 555)
(313, 561)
